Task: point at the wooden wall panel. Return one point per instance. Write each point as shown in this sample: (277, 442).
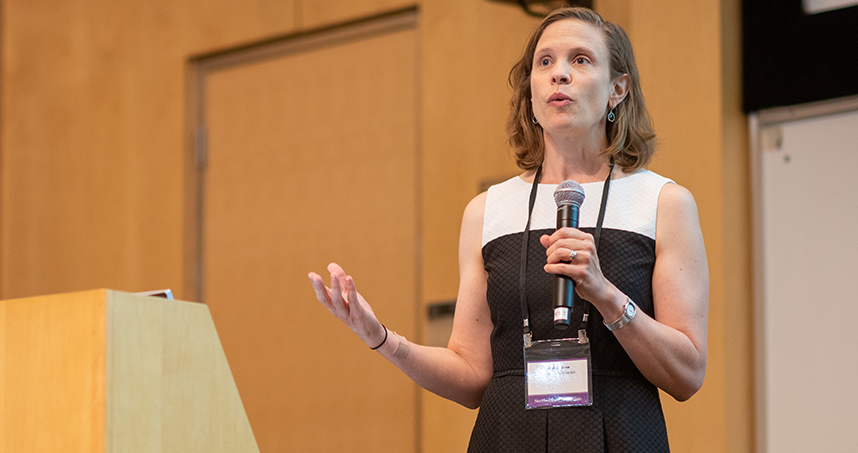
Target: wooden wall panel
(465, 105)
(312, 158)
(91, 177)
(737, 259)
(319, 13)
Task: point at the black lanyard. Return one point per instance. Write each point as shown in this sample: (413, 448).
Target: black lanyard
(522, 285)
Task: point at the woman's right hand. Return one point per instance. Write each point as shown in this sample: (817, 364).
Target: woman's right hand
(344, 302)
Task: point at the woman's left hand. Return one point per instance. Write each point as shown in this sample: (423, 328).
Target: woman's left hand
(583, 268)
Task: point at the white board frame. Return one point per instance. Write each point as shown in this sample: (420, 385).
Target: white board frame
(757, 122)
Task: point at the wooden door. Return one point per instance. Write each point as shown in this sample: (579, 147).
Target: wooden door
(312, 158)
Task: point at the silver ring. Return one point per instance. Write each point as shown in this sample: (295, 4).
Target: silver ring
(572, 255)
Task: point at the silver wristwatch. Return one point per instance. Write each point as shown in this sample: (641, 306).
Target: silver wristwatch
(629, 311)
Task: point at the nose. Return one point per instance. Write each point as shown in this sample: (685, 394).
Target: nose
(560, 75)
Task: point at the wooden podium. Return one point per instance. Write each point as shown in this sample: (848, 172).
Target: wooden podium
(106, 371)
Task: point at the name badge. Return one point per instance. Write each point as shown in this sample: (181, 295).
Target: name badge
(558, 373)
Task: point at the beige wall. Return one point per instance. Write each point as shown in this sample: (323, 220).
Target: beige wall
(93, 151)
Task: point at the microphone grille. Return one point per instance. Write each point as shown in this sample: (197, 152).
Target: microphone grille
(569, 192)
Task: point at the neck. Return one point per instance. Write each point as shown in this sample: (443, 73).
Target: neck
(578, 163)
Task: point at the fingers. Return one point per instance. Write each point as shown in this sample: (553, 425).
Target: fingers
(351, 290)
(343, 300)
(566, 236)
(568, 245)
(571, 252)
(323, 294)
(358, 308)
(566, 254)
(339, 297)
(335, 269)
(336, 298)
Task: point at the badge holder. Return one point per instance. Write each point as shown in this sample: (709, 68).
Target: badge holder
(558, 373)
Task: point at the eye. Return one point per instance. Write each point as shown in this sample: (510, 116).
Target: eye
(581, 60)
(544, 62)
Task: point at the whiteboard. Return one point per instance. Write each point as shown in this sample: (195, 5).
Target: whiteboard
(806, 261)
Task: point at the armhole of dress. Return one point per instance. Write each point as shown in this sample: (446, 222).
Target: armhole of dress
(657, 197)
(485, 216)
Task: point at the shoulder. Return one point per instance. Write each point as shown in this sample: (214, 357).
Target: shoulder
(475, 209)
(678, 222)
(676, 200)
(472, 222)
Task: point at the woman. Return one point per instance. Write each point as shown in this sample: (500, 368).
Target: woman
(577, 113)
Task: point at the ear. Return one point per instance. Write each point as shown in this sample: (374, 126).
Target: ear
(620, 87)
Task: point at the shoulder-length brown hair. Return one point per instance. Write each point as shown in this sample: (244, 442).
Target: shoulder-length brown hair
(631, 138)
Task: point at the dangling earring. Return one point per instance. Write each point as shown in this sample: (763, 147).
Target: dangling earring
(611, 116)
(535, 121)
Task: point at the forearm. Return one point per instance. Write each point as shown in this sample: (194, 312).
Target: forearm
(666, 356)
(441, 371)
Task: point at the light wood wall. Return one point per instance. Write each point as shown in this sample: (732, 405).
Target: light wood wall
(92, 151)
(338, 183)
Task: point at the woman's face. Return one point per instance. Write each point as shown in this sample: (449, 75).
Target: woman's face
(570, 80)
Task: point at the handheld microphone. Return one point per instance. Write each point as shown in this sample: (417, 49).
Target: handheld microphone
(569, 195)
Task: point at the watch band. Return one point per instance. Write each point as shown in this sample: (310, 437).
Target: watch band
(629, 311)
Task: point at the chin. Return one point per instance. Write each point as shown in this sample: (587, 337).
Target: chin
(562, 127)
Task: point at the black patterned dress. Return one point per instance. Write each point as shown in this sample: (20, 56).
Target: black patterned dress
(626, 415)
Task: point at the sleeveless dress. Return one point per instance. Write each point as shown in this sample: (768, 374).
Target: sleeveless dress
(626, 415)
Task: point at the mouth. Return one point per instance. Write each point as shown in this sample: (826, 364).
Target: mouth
(559, 99)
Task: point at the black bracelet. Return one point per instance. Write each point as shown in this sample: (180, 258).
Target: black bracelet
(382, 341)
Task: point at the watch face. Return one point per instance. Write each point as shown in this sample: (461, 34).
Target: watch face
(630, 310)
